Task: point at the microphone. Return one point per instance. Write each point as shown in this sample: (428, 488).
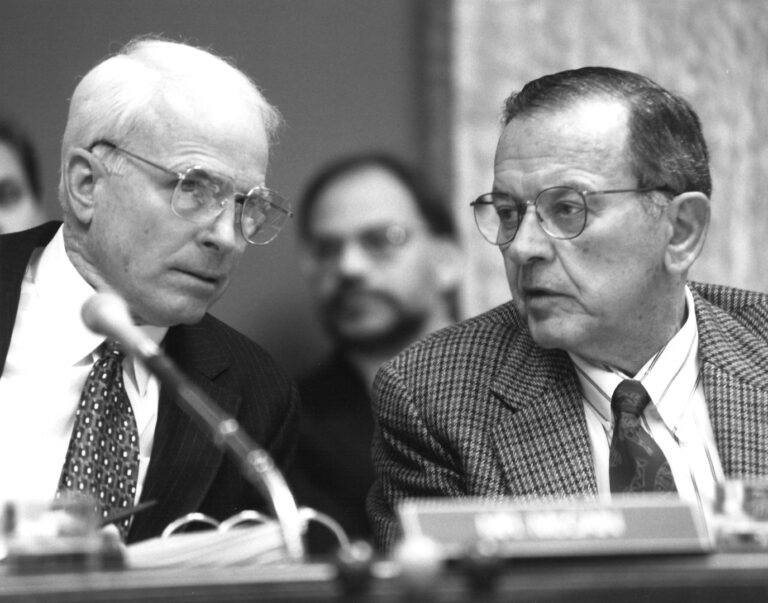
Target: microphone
(107, 314)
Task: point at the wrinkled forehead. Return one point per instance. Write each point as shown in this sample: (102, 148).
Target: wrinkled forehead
(223, 134)
(593, 131)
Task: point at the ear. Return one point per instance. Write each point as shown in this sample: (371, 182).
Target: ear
(689, 217)
(82, 170)
(449, 264)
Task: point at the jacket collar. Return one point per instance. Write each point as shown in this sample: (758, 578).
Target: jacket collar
(542, 443)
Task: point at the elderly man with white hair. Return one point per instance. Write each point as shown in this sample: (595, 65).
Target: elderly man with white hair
(162, 188)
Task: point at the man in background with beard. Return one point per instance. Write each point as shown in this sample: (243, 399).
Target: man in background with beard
(378, 247)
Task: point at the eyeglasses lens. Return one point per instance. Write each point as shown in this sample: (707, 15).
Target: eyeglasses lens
(561, 211)
(263, 215)
(200, 196)
(496, 216)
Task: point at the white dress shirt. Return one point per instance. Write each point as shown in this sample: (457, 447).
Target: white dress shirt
(50, 355)
(676, 418)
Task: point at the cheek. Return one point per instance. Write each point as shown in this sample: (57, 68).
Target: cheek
(511, 270)
(614, 275)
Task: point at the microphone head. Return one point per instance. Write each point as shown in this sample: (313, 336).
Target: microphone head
(106, 314)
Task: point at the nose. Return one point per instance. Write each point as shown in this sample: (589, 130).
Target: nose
(223, 233)
(353, 260)
(530, 242)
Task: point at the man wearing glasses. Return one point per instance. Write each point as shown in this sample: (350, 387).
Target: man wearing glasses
(162, 189)
(608, 371)
(378, 248)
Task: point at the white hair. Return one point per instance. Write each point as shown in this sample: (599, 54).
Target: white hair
(114, 98)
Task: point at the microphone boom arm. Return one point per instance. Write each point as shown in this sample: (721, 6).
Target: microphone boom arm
(254, 462)
(107, 313)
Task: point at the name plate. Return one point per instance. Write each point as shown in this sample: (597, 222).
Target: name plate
(644, 524)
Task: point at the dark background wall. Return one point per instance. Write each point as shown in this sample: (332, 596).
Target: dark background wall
(346, 74)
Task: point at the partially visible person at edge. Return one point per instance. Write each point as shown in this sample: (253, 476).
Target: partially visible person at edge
(163, 167)
(600, 205)
(21, 205)
(378, 247)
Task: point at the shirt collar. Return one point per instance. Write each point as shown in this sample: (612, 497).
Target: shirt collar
(60, 292)
(676, 361)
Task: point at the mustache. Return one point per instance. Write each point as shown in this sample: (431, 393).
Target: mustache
(352, 289)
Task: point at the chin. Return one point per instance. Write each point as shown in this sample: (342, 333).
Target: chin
(168, 316)
(550, 335)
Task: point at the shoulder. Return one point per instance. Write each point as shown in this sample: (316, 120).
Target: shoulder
(213, 347)
(460, 359)
(748, 308)
(33, 237)
(733, 328)
(473, 339)
(213, 333)
(16, 247)
(731, 299)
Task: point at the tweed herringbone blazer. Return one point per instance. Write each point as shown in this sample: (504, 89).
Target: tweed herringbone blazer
(478, 409)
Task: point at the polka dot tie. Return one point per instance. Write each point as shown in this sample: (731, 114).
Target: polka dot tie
(103, 456)
(636, 464)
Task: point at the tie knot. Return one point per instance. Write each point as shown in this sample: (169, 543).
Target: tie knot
(630, 396)
(111, 350)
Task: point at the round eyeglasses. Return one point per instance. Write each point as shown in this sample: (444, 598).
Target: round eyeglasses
(201, 195)
(560, 210)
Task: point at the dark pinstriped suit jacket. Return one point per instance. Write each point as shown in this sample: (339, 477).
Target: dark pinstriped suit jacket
(186, 472)
(479, 409)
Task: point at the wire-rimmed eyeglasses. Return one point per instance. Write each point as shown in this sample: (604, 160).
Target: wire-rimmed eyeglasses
(201, 195)
(560, 210)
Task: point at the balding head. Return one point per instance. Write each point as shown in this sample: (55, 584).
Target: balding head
(130, 91)
(139, 123)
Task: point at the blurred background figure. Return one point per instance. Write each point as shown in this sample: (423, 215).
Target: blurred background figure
(21, 204)
(378, 247)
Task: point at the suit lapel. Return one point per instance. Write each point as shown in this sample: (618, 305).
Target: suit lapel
(541, 442)
(733, 364)
(15, 251)
(184, 461)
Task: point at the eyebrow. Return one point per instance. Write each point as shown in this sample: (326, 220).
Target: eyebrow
(577, 186)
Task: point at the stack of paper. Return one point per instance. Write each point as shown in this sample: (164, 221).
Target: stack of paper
(242, 545)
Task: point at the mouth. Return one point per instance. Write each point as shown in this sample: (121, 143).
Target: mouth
(208, 278)
(539, 297)
(536, 292)
(357, 301)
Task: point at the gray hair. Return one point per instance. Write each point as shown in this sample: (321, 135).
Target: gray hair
(667, 149)
(112, 99)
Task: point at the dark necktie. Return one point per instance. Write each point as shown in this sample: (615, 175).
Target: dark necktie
(636, 463)
(103, 456)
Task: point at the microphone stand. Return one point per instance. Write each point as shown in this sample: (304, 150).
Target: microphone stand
(254, 462)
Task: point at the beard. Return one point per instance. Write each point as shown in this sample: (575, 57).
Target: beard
(346, 313)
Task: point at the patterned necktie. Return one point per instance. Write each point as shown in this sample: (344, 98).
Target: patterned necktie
(636, 464)
(103, 456)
